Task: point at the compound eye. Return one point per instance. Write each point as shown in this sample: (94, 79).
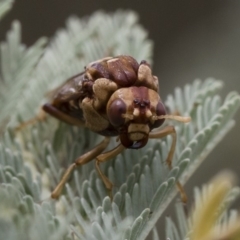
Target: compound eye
(160, 110)
(115, 111)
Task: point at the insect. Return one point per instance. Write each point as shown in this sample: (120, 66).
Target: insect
(114, 97)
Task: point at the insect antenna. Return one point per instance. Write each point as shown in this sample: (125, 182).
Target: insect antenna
(174, 117)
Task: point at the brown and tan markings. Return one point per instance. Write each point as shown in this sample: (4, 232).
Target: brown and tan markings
(114, 96)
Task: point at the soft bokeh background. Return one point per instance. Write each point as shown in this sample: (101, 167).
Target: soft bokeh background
(193, 39)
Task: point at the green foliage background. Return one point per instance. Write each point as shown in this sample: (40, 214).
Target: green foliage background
(32, 161)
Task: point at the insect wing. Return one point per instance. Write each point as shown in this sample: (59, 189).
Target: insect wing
(69, 90)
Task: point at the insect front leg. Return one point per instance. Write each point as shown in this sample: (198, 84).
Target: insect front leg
(103, 158)
(85, 158)
(170, 130)
(163, 133)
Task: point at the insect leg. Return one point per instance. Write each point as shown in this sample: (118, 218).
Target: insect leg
(105, 157)
(52, 110)
(85, 158)
(163, 133)
(41, 116)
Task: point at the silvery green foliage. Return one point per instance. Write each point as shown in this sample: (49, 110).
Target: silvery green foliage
(5, 6)
(32, 161)
(17, 69)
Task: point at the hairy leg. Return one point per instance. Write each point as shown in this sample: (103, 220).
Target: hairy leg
(105, 157)
(170, 130)
(85, 158)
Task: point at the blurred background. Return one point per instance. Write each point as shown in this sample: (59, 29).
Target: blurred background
(192, 39)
